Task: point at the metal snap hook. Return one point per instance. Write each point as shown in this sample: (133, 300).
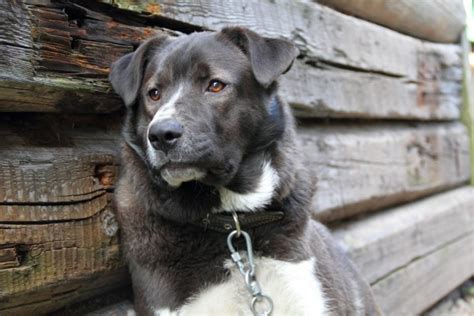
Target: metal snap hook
(249, 252)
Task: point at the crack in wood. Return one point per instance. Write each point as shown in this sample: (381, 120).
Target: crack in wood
(328, 64)
(95, 194)
(423, 256)
(51, 221)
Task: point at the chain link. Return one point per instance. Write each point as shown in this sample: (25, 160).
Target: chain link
(247, 270)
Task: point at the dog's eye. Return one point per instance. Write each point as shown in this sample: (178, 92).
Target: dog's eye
(216, 86)
(154, 94)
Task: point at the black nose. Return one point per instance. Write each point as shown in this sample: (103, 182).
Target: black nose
(164, 133)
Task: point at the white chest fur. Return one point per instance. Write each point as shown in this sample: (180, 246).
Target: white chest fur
(293, 287)
(259, 197)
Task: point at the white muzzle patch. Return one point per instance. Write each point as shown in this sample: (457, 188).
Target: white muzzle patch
(168, 110)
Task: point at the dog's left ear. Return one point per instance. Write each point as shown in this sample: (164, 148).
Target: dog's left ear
(269, 57)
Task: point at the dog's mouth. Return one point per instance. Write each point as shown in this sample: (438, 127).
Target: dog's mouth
(176, 173)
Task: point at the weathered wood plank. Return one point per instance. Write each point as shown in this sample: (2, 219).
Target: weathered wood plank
(320, 32)
(322, 90)
(434, 20)
(57, 228)
(56, 158)
(386, 241)
(414, 288)
(361, 168)
(426, 82)
(51, 297)
(8, 257)
(56, 56)
(65, 60)
(21, 94)
(49, 162)
(59, 259)
(405, 162)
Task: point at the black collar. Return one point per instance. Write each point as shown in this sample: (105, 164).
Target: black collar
(224, 222)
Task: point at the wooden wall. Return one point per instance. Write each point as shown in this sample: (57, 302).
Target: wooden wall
(379, 126)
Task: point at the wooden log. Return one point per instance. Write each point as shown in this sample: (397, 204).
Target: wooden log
(323, 90)
(51, 297)
(414, 288)
(55, 171)
(57, 227)
(62, 66)
(386, 241)
(320, 32)
(405, 162)
(424, 79)
(362, 168)
(435, 20)
(56, 56)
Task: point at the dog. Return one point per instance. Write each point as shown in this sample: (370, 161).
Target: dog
(209, 151)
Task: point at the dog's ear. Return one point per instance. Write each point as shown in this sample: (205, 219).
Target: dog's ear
(126, 74)
(269, 57)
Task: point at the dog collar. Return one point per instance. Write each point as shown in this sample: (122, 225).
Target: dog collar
(225, 223)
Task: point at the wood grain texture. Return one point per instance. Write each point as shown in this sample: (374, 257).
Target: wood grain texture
(360, 168)
(62, 293)
(67, 256)
(322, 90)
(320, 32)
(58, 233)
(347, 67)
(62, 65)
(54, 168)
(415, 287)
(386, 241)
(357, 168)
(432, 20)
(56, 57)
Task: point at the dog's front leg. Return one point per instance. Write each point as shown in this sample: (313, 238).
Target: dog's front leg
(139, 301)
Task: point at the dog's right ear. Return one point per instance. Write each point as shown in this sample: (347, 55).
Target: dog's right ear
(126, 74)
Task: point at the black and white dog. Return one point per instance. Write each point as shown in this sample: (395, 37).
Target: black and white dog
(206, 134)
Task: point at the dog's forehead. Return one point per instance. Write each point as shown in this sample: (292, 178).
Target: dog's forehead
(186, 52)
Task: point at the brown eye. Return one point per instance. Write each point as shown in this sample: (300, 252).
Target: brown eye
(216, 86)
(154, 94)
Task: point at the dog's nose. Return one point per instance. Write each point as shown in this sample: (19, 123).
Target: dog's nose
(163, 134)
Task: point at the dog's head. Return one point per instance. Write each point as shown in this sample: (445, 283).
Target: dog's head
(199, 104)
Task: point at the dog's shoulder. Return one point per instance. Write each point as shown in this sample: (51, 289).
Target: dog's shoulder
(340, 279)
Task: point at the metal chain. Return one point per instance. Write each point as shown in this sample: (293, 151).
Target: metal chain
(247, 270)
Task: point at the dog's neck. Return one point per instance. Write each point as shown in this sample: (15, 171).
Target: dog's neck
(257, 181)
(258, 197)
